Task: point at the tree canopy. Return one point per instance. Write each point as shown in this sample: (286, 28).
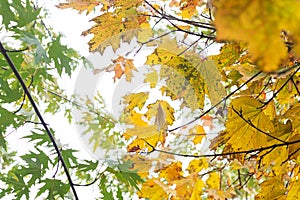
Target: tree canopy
(186, 123)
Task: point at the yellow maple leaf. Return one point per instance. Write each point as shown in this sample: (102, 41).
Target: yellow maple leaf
(293, 193)
(111, 26)
(172, 172)
(197, 165)
(189, 7)
(135, 118)
(152, 78)
(166, 108)
(244, 110)
(146, 138)
(199, 133)
(140, 163)
(80, 5)
(213, 180)
(135, 100)
(212, 78)
(272, 188)
(259, 24)
(182, 78)
(151, 190)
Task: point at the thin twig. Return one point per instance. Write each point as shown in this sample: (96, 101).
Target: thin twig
(255, 127)
(217, 104)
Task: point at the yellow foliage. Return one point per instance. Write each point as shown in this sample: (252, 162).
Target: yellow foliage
(140, 163)
(272, 188)
(213, 180)
(183, 79)
(172, 172)
(212, 78)
(166, 108)
(199, 133)
(237, 129)
(135, 100)
(189, 7)
(152, 78)
(259, 24)
(293, 193)
(197, 165)
(82, 5)
(152, 190)
(110, 26)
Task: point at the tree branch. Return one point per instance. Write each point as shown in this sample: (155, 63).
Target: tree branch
(18, 76)
(222, 154)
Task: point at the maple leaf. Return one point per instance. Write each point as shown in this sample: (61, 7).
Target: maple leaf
(212, 78)
(293, 192)
(238, 128)
(182, 78)
(152, 78)
(259, 24)
(146, 138)
(172, 172)
(110, 26)
(140, 163)
(135, 100)
(272, 188)
(166, 110)
(197, 165)
(189, 7)
(81, 5)
(199, 133)
(122, 66)
(151, 190)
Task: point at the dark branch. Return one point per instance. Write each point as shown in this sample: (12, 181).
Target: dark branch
(21, 81)
(223, 154)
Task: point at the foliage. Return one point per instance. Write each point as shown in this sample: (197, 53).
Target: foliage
(250, 89)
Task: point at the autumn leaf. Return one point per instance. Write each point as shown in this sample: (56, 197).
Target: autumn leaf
(172, 172)
(135, 100)
(257, 23)
(212, 79)
(189, 7)
(110, 26)
(182, 78)
(152, 78)
(272, 188)
(199, 133)
(213, 180)
(152, 190)
(140, 163)
(163, 113)
(293, 193)
(197, 165)
(81, 5)
(122, 66)
(244, 110)
(146, 138)
(135, 118)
